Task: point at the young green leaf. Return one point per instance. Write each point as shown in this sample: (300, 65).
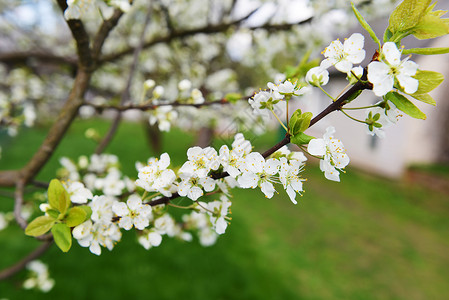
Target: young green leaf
(76, 216)
(58, 198)
(431, 25)
(425, 51)
(88, 211)
(53, 213)
(428, 80)
(387, 35)
(365, 25)
(426, 98)
(62, 236)
(407, 15)
(301, 139)
(299, 121)
(405, 105)
(40, 226)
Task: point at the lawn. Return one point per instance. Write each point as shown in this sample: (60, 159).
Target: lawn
(364, 238)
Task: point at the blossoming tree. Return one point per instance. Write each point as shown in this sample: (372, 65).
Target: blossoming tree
(93, 203)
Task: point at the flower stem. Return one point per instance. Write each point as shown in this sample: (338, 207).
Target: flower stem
(362, 107)
(282, 124)
(352, 118)
(327, 94)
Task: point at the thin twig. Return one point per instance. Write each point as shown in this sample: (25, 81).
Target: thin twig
(8, 272)
(126, 93)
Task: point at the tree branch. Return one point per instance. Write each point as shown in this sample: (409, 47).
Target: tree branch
(337, 105)
(23, 57)
(126, 93)
(22, 264)
(205, 30)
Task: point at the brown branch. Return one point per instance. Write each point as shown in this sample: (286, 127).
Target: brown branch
(209, 29)
(337, 105)
(105, 28)
(18, 203)
(6, 273)
(126, 93)
(20, 57)
(146, 107)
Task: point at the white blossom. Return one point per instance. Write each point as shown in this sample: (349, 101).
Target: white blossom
(133, 212)
(333, 153)
(317, 76)
(150, 239)
(156, 176)
(201, 161)
(95, 235)
(289, 177)
(258, 172)
(343, 56)
(382, 74)
(218, 210)
(192, 186)
(78, 193)
(39, 277)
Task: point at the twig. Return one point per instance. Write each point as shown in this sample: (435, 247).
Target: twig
(18, 203)
(126, 93)
(6, 273)
(211, 29)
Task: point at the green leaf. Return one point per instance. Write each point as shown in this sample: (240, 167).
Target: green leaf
(387, 35)
(426, 98)
(76, 216)
(428, 80)
(53, 213)
(407, 15)
(301, 139)
(58, 198)
(405, 105)
(88, 211)
(365, 25)
(299, 121)
(431, 25)
(425, 51)
(62, 236)
(39, 226)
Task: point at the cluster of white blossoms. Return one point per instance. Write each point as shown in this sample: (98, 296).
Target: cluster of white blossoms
(39, 277)
(246, 169)
(269, 101)
(333, 153)
(386, 74)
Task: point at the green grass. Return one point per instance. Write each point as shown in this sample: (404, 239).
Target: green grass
(363, 238)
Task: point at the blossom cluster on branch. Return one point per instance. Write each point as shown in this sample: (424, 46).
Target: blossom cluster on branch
(93, 202)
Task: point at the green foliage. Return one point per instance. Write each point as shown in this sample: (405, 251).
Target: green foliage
(299, 122)
(60, 218)
(403, 104)
(76, 216)
(62, 236)
(40, 226)
(431, 25)
(426, 98)
(428, 80)
(301, 139)
(58, 198)
(426, 51)
(365, 25)
(416, 17)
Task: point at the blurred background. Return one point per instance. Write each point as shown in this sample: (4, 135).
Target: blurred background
(379, 234)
